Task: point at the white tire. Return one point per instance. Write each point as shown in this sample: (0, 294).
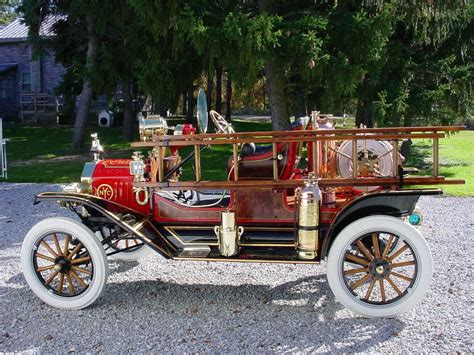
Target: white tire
(87, 261)
(412, 267)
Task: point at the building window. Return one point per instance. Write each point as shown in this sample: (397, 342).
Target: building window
(6, 89)
(26, 83)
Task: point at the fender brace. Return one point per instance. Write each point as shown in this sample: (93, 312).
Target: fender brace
(144, 229)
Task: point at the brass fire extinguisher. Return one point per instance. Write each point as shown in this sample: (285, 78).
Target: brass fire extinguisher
(308, 199)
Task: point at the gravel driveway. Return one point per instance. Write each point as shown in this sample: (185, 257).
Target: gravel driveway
(164, 306)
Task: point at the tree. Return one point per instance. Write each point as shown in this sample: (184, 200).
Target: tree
(390, 63)
(117, 72)
(96, 41)
(219, 88)
(8, 10)
(424, 75)
(85, 96)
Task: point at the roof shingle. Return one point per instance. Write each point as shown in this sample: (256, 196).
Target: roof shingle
(17, 31)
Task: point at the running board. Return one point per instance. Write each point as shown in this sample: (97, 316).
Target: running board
(243, 260)
(249, 255)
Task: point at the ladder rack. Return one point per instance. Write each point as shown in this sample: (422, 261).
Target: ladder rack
(392, 134)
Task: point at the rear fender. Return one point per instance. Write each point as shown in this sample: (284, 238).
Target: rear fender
(390, 203)
(144, 229)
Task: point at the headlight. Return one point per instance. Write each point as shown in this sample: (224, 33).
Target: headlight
(137, 168)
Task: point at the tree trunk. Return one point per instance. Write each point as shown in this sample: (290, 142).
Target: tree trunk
(364, 113)
(275, 76)
(407, 120)
(209, 91)
(219, 88)
(175, 105)
(276, 81)
(127, 128)
(299, 104)
(70, 107)
(190, 104)
(228, 99)
(86, 94)
(297, 95)
(185, 101)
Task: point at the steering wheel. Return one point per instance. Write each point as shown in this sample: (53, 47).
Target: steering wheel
(221, 124)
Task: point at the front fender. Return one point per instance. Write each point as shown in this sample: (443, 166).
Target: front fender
(391, 203)
(144, 229)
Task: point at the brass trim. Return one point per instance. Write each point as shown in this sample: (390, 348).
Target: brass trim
(145, 221)
(236, 161)
(191, 227)
(149, 241)
(282, 229)
(281, 245)
(86, 177)
(355, 159)
(394, 158)
(113, 166)
(177, 236)
(161, 235)
(174, 234)
(249, 260)
(137, 226)
(435, 157)
(159, 157)
(275, 160)
(197, 162)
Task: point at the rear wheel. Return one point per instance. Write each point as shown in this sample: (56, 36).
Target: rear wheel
(63, 263)
(379, 266)
(131, 249)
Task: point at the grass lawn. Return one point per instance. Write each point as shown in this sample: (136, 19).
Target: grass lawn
(456, 160)
(43, 154)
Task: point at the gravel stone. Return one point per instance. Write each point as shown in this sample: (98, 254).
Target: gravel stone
(165, 306)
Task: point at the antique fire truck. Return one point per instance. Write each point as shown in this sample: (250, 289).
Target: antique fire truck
(309, 194)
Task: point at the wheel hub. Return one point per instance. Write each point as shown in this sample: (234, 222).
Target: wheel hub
(62, 264)
(379, 268)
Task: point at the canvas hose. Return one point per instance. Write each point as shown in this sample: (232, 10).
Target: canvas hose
(378, 152)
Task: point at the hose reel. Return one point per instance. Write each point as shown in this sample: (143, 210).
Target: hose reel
(374, 159)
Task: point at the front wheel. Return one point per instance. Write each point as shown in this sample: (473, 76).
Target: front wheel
(379, 266)
(64, 263)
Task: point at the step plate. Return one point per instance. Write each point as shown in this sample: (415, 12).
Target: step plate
(195, 251)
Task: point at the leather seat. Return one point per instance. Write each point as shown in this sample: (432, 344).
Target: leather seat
(256, 162)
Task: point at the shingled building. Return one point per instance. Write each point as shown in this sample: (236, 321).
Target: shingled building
(26, 85)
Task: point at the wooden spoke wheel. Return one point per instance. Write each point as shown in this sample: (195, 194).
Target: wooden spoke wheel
(64, 263)
(380, 276)
(220, 122)
(379, 266)
(131, 249)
